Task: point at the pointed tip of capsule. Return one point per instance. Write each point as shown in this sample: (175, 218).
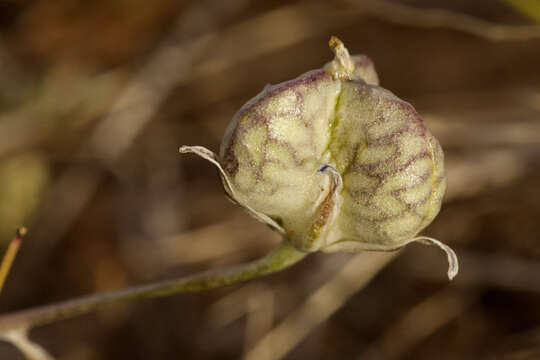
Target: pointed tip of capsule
(334, 42)
(342, 67)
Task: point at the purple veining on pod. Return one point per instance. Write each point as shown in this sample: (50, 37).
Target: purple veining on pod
(335, 162)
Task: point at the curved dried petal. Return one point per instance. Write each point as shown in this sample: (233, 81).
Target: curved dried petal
(353, 245)
(212, 157)
(453, 264)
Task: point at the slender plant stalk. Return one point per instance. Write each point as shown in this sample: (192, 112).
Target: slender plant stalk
(30, 349)
(10, 255)
(278, 259)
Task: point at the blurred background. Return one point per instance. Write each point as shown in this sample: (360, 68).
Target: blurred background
(97, 96)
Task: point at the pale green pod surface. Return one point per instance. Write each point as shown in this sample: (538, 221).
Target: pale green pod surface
(335, 162)
(392, 169)
(274, 146)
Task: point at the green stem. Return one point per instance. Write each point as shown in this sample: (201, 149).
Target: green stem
(281, 257)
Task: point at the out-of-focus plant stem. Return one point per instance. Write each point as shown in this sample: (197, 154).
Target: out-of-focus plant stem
(530, 8)
(281, 257)
(10, 255)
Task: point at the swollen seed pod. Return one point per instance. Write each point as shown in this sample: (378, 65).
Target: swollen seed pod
(334, 162)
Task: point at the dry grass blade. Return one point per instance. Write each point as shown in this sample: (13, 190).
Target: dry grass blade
(401, 14)
(270, 32)
(508, 272)
(10, 255)
(320, 305)
(419, 322)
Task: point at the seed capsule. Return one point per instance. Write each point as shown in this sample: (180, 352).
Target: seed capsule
(334, 162)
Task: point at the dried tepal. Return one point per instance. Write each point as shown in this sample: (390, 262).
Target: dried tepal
(334, 162)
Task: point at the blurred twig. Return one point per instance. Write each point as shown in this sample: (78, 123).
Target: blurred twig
(481, 171)
(510, 272)
(402, 14)
(10, 255)
(297, 22)
(260, 316)
(200, 245)
(274, 30)
(281, 257)
(419, 322)
(324, 302)
(256, 301)
(31, 350)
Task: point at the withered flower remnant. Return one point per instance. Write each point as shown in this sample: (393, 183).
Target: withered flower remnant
(334, 162)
